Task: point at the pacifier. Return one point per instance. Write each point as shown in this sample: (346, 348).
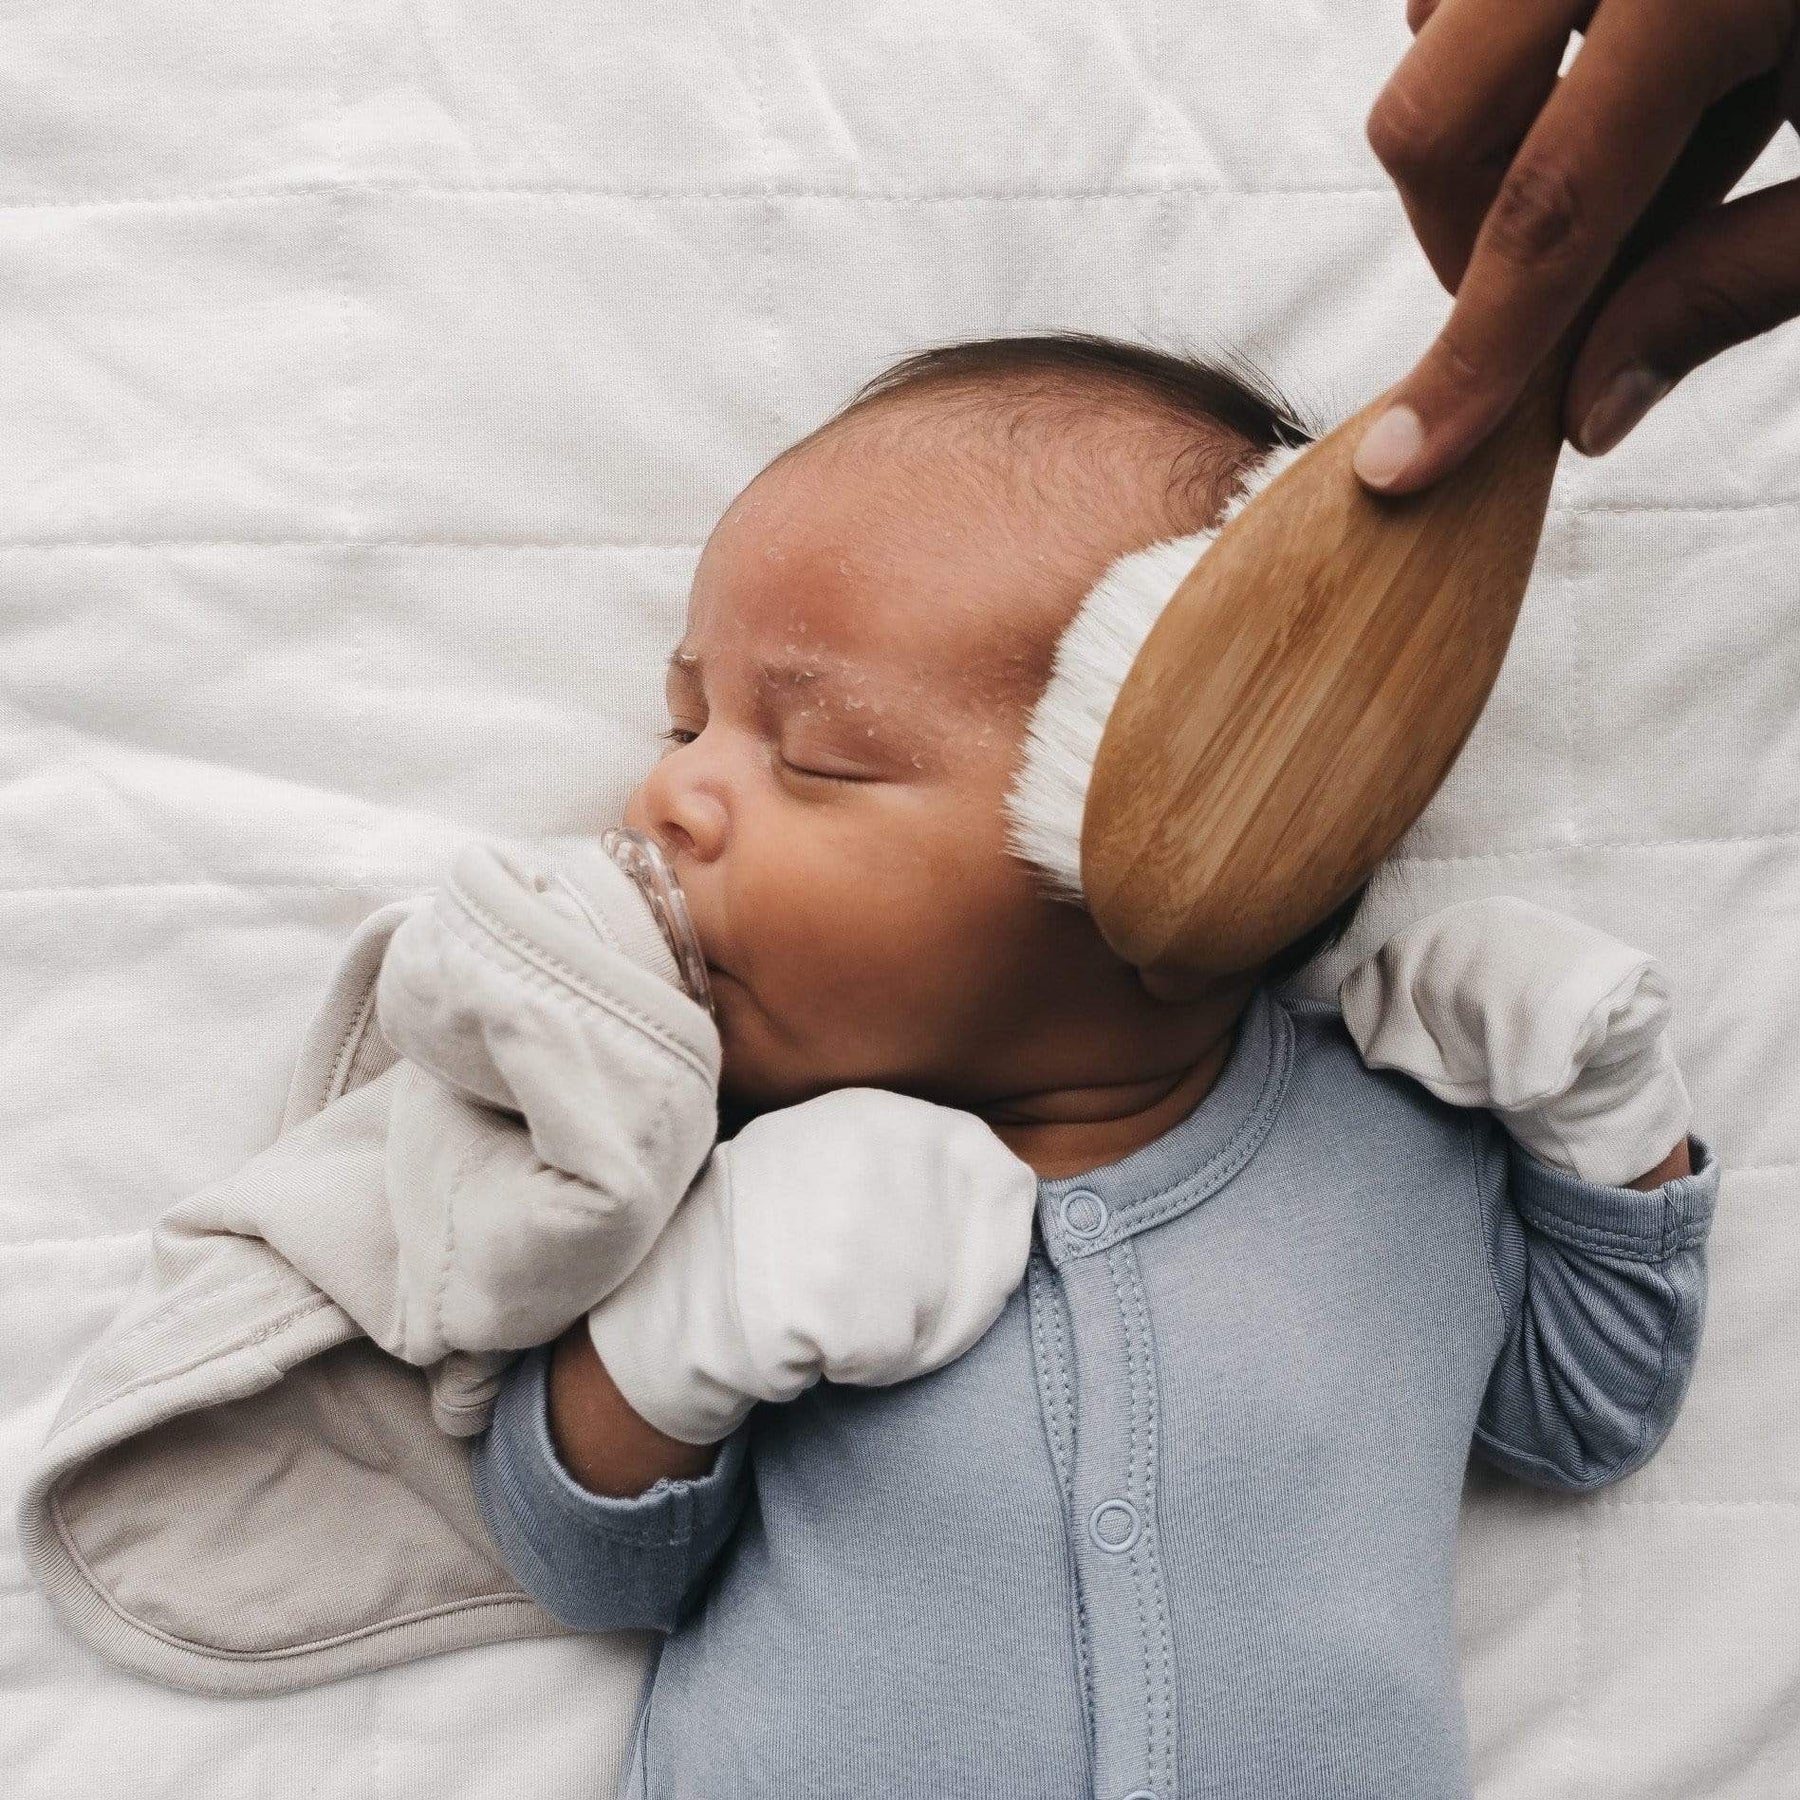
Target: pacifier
(641, 857)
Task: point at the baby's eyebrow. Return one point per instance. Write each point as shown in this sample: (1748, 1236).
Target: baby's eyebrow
(775, 671)
(879, 727)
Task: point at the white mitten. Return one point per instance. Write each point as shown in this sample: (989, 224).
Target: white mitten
(558, 1096)
(863, 1236)
(1559, 1029)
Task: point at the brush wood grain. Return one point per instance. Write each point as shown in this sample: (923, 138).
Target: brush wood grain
(1304, 694)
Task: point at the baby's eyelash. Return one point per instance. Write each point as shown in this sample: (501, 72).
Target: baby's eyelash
(675, 734)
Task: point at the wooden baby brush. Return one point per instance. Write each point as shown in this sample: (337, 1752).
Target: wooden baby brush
(1297, 701)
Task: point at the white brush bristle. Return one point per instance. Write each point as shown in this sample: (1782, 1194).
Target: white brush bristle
(1048, 797)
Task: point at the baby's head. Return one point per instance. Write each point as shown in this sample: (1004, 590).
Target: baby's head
(871, 624)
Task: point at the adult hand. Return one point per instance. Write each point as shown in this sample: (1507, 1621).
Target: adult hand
(1525, 190)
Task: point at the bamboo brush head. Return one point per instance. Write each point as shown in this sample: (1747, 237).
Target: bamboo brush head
(1302, 696)
(1046, 801)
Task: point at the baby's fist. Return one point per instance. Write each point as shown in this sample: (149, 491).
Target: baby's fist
(863, 1236)
(1559, 1029)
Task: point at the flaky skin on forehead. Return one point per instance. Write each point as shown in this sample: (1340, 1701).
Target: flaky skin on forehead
(1078, 448)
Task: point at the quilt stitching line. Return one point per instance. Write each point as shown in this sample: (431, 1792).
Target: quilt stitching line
(1698, 1505)
(769, 214)
(1572, 511)
(1575, 686)
(247, 883)
(1163, 231)
(354, 543)
(1577, 1719)
(1699, 843)
(748, 193)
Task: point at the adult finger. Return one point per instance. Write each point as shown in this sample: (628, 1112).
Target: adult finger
(1727, 275)
(1732, 133)
(1729, 138)
(1608, 136)
(1456, 107)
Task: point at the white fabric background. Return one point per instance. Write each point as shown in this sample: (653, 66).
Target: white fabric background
(369, 375)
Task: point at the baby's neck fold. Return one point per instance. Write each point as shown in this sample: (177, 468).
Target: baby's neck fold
(1070, 1130)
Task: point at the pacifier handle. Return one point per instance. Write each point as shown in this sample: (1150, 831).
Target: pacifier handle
(642, 858)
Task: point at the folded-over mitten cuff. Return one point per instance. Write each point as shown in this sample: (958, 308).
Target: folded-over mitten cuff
(1615, 1122)
(1646, 1226)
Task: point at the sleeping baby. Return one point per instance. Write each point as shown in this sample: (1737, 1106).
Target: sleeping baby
(1045, 1389)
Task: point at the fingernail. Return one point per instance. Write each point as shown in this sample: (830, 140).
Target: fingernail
(1389, 447)
(1623, 401)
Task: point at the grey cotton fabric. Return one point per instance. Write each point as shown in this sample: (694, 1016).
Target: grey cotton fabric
(259, 1478)
(1183, 1522)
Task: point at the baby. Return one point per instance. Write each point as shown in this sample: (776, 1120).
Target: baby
(1175, 1513)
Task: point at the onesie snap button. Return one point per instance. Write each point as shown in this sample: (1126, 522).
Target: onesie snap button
(1084, 1213)
(1113, 1525)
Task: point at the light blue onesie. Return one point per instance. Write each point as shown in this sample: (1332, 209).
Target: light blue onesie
(1183, 1522)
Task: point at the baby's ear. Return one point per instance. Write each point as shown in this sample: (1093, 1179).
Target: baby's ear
(1172, 988)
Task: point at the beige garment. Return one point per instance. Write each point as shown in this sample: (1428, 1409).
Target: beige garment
(246, 1489)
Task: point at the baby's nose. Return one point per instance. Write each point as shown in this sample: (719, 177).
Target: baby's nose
(685, 820)
(674, 839)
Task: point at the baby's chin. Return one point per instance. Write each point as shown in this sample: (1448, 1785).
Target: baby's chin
(750, 1080)
(754, 1077)
(762, 1066)
(744, 1087)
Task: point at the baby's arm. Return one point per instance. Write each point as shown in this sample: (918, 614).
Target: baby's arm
(603, 1443)
(864, 1237)
(627, 1546)
(1677, 1162)
(1602, 1293)
(1563, 1032)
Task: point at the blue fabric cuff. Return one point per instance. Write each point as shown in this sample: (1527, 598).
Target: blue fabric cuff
(1642, 1226)
(668, 1513)
(596, 1562)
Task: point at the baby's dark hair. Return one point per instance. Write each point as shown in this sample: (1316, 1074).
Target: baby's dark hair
(1229, 394)
(1058, 380)
(1207, 421)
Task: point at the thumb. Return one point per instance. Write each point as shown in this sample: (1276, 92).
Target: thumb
(1728, 275)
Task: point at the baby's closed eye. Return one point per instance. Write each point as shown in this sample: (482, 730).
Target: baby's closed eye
(678, 736)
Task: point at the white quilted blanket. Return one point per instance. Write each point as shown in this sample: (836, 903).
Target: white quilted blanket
(369, 375)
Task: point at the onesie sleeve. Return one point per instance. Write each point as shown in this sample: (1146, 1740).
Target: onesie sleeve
(594, 1562)
(1602, 1292)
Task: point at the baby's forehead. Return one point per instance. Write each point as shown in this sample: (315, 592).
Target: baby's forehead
(943, 540)
(878, 560)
